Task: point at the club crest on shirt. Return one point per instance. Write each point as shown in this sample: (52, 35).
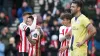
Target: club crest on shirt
(35, 35)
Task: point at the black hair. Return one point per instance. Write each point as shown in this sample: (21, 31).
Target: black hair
(78, 2)
(27, 13)
(66, 16)
(32, 18)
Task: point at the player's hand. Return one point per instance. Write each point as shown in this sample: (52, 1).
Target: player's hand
(38, 27)
(27, 31)
(62, 49)
(79, 44)
(34, 16)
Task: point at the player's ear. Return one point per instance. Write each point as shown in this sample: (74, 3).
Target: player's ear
(69, 21)
(78, 8)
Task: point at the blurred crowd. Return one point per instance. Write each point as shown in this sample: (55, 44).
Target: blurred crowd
(49, 18)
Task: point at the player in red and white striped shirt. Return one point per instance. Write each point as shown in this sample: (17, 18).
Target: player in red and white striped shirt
(34, 39)
(65, 34)
(24, 44)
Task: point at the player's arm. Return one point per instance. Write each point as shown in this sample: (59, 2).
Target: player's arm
(27, 33)
(23, 26)
(86, 23)
(31, 40)
(61, 34)
(91, 30)
(40, 30)
(19, 34)
(33, 26)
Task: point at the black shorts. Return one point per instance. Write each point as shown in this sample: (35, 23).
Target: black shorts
(23, 54)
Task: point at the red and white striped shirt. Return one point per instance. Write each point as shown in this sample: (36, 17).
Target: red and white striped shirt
(34, 49)
(63, 30)
(24, 45)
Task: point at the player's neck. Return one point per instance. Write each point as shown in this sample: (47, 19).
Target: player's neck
(68, 25)
(78, 14)
(23, 21)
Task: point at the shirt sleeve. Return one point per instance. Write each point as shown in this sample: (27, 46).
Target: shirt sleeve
(23, 26)
(61, 33)
(61, 30)
(33, 26)
(85, 21)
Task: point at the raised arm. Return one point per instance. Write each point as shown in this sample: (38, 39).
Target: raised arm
(33, 26)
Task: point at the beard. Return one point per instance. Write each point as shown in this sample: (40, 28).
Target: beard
(73, 14)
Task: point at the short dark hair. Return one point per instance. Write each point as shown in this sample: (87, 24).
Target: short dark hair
(66, 16)
(32, 18)
(27, 13)
(78, 2)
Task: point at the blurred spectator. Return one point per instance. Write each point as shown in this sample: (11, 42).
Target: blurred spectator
(44, 46)
(2, 48)
(45, 28)
(39, 20)
(59, 5)
(16, 36)
(3, 19)
(45, 39)
(91, 2)
(65, 2)
(55, 28)
(54, 11)
(24, 8)
(11, 48)
(4, 32)
(57, 15)
(98, 8)
(47, 15)
(1, 4)
(54, 45)
(18, 3)
(50, 5)
(97, 41)
(8, 4)
(42, 4)
(49, 19)
(89, 11)
(59, 19)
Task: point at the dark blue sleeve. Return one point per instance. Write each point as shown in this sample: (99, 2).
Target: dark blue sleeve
(30, 9)
(19, 13)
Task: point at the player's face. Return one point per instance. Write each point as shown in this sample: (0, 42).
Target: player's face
(66, 21)
(25, 17)
(29, 21)
(74, 8)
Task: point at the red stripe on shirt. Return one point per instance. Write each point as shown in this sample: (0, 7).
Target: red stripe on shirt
(20, 49)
